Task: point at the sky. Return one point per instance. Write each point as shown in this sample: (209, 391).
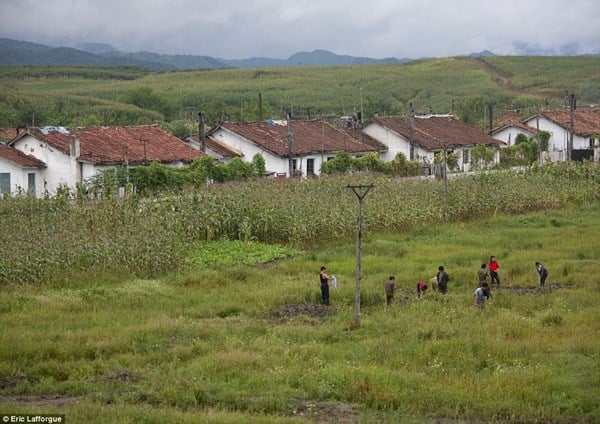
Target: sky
(240, 29)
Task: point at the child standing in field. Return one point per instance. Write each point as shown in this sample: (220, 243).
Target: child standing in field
(543, 272)
(493, 267)
(481, 293)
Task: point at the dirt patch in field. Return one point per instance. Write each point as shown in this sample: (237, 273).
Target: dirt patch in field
(123, 376)
(54, 400)
(326, 412)
(310, 310)
(523, 291)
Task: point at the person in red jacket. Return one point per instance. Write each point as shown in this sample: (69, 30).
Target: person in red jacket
(493, 266)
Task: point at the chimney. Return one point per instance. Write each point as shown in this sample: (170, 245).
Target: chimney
(74, 146)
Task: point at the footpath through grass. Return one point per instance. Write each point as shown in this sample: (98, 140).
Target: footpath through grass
(215, 344)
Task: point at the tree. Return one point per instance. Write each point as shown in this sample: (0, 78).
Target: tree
(481, 157)
(258, 161)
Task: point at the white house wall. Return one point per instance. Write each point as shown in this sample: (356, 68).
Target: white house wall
(395, 144)
(558, 135)
(19, 177)
(60, 173)
(509, 135)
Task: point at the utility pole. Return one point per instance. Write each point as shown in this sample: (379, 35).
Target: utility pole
(360, 191)
(445, 175)
(290, 145)
(412, 132)
(260, 107)
(572, 106)
(201, 134)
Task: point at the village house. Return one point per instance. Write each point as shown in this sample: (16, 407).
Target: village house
(508, 127)
(430, 134)
(307, 143)
(55, 157)
(557, 123)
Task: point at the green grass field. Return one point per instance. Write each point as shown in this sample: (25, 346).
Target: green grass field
(233, 339)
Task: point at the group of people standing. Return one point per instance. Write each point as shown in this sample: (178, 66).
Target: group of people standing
(487, 276)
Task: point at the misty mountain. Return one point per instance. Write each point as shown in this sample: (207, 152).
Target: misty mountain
(19, 53)
(16, 53)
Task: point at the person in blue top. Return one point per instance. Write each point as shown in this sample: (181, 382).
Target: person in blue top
(481, 293)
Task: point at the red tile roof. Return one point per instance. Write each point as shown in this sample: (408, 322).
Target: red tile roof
(433, 132)
(109, 145)
(586, 120)
(20, 158)
(308, 137)
(8, 134)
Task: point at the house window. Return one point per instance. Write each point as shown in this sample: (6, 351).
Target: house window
(592, 143)
(4, 182)
(294, 164)
(310, 166)
(465, 156)
(31, 183)
(329, 158)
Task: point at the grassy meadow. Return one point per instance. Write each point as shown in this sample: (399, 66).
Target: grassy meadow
(229, 329)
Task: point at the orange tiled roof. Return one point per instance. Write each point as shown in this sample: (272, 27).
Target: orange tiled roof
(432, 132)
(108, 145)
(20, 158)
(308, 137)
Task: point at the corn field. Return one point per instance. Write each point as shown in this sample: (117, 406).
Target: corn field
(53, 241)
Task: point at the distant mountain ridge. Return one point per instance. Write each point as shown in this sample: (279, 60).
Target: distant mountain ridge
(18, 53)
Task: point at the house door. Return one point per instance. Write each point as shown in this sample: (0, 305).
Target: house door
(310, 166)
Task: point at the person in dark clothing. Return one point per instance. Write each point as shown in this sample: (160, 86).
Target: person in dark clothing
(482, 275)
(442, 279)
(324, 285)
(543, 272)
(390, 288)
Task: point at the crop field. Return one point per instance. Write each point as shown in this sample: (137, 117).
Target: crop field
(204, 305)
(80, 96)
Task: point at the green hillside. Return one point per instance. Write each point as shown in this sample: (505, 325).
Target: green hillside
(118, 96)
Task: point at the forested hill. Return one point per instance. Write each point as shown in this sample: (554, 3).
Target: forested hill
(20, 53)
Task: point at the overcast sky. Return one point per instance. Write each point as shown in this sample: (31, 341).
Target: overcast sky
(237, 29)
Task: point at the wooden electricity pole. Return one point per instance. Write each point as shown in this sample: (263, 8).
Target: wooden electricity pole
(290, 145)
(360, 191)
